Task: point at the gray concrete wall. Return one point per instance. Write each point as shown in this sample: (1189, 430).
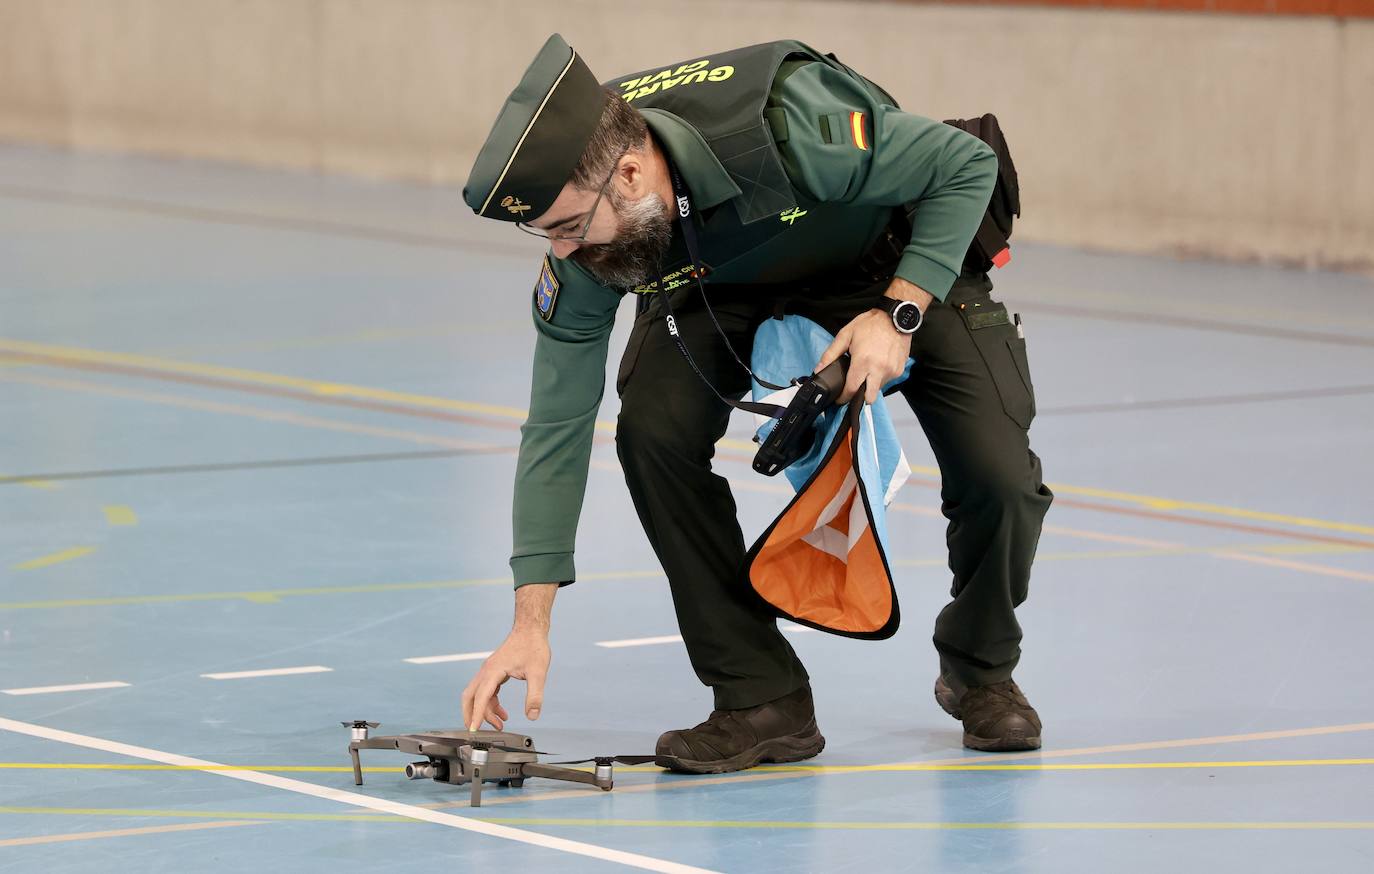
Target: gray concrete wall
(1242, 137)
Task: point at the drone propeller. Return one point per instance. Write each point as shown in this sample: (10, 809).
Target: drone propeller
(360, 727)
(609, 760)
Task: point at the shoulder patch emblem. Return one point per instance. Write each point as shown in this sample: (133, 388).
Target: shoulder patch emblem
(546, 291)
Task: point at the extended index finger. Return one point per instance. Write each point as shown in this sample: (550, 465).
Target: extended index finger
(487, 684)
(837, 347)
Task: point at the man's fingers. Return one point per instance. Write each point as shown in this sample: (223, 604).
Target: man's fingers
(873, 387)
(468, 695)
(858, 372)
(496, 714)
(488, 683)
(534, 692)
(837, 347)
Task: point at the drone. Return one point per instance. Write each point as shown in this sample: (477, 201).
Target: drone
(459, 757)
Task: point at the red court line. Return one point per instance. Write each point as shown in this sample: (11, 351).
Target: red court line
(494, 422)
(1328, 8)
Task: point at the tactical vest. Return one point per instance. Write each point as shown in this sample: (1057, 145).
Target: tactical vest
(723, 96)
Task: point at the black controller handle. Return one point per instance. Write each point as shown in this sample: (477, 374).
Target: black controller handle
(795, 433)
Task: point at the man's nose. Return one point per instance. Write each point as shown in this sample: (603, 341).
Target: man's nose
(563, 248)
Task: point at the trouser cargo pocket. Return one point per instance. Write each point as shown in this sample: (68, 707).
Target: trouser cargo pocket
(994, 335)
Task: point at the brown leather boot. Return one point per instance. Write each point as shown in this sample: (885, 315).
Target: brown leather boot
(782, 730)
(997, 718)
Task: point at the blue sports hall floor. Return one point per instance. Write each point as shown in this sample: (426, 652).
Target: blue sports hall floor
(264, 422)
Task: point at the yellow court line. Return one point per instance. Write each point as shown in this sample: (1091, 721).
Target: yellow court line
(336, 389)
(121, 833)
(776, 772)
(1304, 567)
(1070, 766)
(120, 515)
(258, 377)
(246, 411)
(208, 814)
(814, 769)
(939, 826)
(272, 596)
(55, 558)
(271, 816)
(1157, 503)
(109, 766)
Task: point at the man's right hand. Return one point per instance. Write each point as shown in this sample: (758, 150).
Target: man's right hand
(524, 655)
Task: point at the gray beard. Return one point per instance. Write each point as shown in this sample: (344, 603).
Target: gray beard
(633, 257)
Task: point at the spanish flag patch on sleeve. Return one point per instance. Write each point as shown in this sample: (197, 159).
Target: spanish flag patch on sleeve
(546, 291)
(856, 126)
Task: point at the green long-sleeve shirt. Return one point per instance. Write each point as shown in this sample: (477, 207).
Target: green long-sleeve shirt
(850, 157)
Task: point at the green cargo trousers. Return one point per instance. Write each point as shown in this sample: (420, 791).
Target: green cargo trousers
(971, 391)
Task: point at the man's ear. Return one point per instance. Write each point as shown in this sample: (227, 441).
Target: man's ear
(631, 176)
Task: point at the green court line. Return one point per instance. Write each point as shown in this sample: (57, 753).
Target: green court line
(66, 355)
(814, 769)
(260, 596)
(104, 766)
(208, 814)
(1283, 825)
(272, 596)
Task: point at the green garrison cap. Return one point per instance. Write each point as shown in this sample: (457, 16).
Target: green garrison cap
(538, 137)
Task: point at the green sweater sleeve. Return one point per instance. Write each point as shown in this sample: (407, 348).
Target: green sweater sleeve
(846, 144)
(574, 318)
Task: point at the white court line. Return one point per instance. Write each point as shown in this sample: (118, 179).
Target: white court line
(640, 641)
(456, 657)
(795, 629)
(76, 687)
(355, 799)
(273, 672)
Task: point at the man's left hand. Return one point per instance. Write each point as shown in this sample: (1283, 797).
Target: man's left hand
(877, 350)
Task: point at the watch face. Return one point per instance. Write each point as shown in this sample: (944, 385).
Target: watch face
(906, 316)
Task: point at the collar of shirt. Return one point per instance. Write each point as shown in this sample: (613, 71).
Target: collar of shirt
(707, 180)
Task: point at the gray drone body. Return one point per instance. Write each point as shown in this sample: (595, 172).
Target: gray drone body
(460, 757)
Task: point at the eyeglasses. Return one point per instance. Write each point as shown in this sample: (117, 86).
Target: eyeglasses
(586, 226)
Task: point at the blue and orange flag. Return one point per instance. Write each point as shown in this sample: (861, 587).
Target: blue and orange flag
(823, 562)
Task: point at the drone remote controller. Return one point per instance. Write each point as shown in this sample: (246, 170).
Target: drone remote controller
(795, 433)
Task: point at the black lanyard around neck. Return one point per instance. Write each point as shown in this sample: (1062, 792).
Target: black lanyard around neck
(695, 268)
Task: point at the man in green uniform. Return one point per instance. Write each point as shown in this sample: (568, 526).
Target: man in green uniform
(790, 171)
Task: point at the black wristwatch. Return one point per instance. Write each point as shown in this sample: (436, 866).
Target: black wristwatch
(906, 315)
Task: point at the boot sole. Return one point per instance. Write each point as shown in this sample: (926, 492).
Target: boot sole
(944, 696)
(781, 749)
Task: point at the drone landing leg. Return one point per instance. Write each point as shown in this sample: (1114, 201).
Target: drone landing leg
(476, 788)
(357, 768)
